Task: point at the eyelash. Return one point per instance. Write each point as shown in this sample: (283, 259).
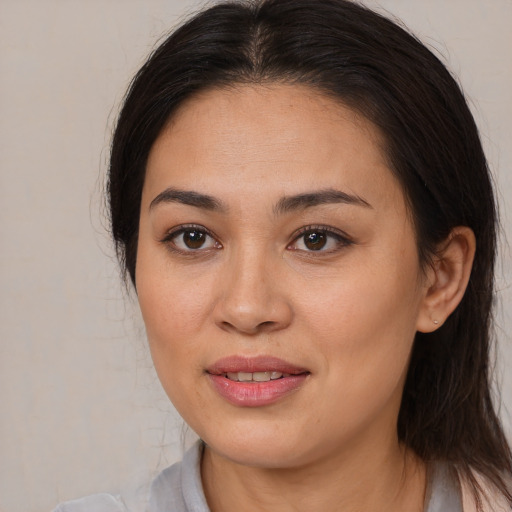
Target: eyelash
(341, 239)
(169, 238)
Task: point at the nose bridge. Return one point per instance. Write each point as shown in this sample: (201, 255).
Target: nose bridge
(251, 299)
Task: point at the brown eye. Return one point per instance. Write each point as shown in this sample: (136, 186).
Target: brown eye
(194, 239)
(315, 241)
(188, 239)
(323, 240)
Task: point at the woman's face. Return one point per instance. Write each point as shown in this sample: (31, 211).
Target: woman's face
(278, 275)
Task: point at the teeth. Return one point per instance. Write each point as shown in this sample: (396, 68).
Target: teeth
(261, 376)
(255, 377)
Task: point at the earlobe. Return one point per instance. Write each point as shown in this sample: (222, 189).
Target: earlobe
(447, 279)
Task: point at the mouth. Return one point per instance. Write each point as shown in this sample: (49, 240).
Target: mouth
(255, 377)
(260, 367)
(257, 381)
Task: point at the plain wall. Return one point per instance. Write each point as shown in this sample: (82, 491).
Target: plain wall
(82, 410)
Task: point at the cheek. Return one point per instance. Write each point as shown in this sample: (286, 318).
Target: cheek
(173, 313)
(172, 300)
(364, 305)
(364, 325)
(174, 305)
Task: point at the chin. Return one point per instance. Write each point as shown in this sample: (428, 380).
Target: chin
(263, 448)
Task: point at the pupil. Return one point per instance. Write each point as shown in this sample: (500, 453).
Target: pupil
(315, 241)
(193, 239)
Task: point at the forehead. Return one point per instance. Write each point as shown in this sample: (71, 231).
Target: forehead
(290, 136)
(290, 113)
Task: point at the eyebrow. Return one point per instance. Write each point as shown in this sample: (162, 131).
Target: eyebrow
(327, 196)
(190, 198)
(284, 205)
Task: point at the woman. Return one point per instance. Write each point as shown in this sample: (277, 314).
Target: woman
(299, 195)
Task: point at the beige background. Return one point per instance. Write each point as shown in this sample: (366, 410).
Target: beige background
(81, 410)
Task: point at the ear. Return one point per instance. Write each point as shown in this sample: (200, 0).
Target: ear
(447, 279)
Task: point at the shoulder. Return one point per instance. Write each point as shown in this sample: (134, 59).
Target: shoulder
(132, 499)
(95, 503)
(177, 487)
(490, 498)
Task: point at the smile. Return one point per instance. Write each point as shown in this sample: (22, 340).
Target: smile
(255, 377)
(255, 381)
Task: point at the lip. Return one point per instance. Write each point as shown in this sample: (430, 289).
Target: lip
(253, 364)
(255, 394)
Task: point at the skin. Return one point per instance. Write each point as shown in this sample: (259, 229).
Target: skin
(347, 313)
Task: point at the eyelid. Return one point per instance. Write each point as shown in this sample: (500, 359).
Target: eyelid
(338, 234)
(342, 238)
(172, 232)
(177, 230)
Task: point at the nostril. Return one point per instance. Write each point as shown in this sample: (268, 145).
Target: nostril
(250, 329)
(252, 314)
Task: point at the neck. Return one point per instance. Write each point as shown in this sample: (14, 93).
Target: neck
(391, 479)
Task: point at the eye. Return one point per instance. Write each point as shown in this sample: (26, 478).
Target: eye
(319, 239)
(191, 238)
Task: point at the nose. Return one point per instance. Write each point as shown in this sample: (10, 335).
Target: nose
(252, 299)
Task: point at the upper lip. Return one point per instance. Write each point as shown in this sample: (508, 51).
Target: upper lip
(233, 364)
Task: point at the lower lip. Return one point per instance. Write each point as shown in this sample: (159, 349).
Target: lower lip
(256, 394)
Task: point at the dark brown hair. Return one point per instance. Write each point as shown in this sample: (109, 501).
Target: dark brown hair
(371, 64)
